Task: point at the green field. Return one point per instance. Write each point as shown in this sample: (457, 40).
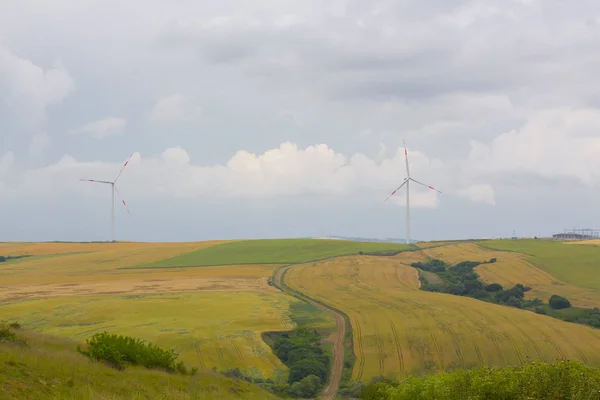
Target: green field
(571, 263)
(271, 251)
(51, 369)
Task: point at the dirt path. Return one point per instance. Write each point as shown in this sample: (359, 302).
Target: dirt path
(337, 366)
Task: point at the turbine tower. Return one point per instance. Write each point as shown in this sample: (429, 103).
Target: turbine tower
(113, 187)
(406, 182)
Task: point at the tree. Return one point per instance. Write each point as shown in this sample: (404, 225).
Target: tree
(307, 387)
(540, 310)
(514, 302)
(494, 287)
(558, 302)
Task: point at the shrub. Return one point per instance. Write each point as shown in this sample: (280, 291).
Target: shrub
(494, 287)
(118, 350)
(307, 387)
(7, 335)
(558, 302)
(563, 380)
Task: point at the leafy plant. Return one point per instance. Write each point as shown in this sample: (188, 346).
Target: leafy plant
(119, 350)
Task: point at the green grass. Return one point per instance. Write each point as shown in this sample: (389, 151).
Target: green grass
(305, 315)
(571, 263)
(51, 369)
(271, 251)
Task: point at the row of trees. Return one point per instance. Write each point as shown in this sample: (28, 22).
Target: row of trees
(462, 280)
(7, 258)
(308, 363)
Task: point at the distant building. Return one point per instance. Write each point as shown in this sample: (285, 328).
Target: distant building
(578, 234)
(572, 236)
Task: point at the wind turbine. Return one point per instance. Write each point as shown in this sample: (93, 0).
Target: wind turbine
(113, 187)
(406, 182)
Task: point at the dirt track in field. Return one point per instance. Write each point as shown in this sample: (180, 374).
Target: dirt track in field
(335, 376)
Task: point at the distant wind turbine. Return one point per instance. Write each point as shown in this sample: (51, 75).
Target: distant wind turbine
(113, 189)
(407, 182)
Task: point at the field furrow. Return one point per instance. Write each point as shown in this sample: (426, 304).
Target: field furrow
(432, 331)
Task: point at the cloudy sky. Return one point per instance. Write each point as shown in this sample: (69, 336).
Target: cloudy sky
(286, 118)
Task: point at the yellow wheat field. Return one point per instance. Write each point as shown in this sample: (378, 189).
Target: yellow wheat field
(595, 242)
(399, 330)
(213, 316)
(72, 262)
(208, 329)
(511, 268)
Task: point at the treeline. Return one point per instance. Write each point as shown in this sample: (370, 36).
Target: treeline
(8, 258)
(571, 380)
(308, 363)
(300, 350)
(462, 280)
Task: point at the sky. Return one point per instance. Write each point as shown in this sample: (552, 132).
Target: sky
(286, 118)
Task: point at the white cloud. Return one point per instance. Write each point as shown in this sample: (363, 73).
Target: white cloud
(482, 193)
(103, 127)
(28, 90)
(283, 171)
(175, 107)
(39, 143)
(6, 162)
(561, 143)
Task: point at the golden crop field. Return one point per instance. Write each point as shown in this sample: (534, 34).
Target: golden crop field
(74, 262)
(213, 315)
(399, 330)
(511, 268)
(595, 242)
(209, 329)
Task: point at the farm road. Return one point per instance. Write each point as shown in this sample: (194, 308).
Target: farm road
(337, 366)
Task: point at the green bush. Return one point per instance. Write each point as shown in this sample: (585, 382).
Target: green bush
(119, 350)
(564, 380)
(494, 287)
(8, 336)
(558, 302)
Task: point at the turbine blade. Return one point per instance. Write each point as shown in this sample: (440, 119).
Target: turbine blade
(427, 186)
(398, 188)
(122, 201)
(406, 158)
(124, 165)
(95, 181)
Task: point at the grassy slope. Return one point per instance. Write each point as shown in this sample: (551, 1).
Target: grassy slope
(571, 263)
(52, 369)
(271, 251)
(399, 330)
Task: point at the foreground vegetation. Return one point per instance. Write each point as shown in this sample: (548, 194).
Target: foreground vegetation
(46, 367)
(565, 380)
(118, 351)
